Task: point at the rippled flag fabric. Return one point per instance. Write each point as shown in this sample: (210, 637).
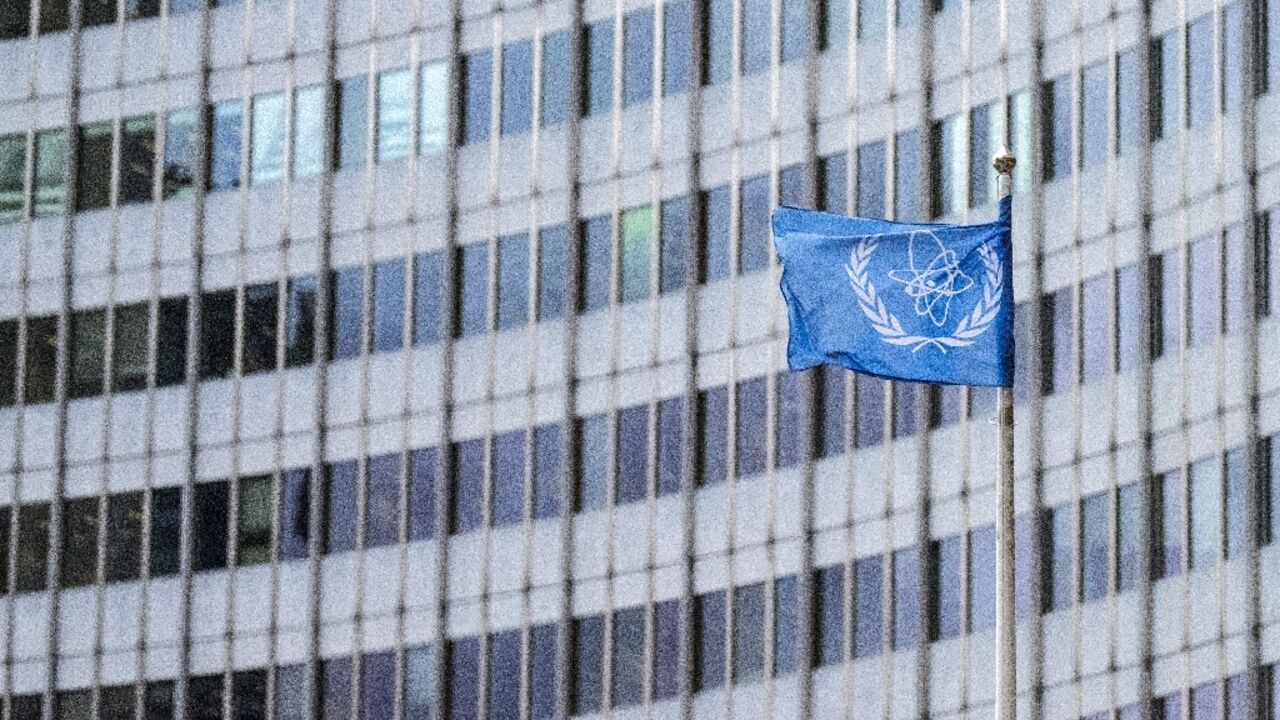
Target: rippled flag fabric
(920, 302)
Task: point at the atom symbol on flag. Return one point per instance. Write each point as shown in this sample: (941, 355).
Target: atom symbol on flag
(934, 284)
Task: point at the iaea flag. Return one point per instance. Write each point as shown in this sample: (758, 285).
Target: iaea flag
(923, 302)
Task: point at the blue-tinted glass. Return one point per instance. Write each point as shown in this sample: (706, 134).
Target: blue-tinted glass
(224, 145)
(555, 78)
(1057, 124)
(908, 13)
(419, 683)
(1200, 104)
(1095, 84)
(1166, 78)
(871, 19)
(547, 471)
(1126, 317)
(428, 298)
(508, 478)
(1170, 494)
(353, 121)
(715, 233)
(633, 454)
(468, 486)
(949, 166)
(713, 427)
(793, 181)
(666, 649)
(544, 642)
(670, 445)
(517, 87)
(1206, 513)
(985, 127)
(753, 230)
(346, 313)
(210, 526)
(597, 93)
(1236, 480)
(552, 271)
(1056, 309)
(982, 578)
(871, 169)
(869, 411)
(828, 615)
(1128, 535)
(504, 676)
(340, 525)
(477, 79)
(1270, 80)
(948, 587)
(717, 56)
(1166, 274)
(1233, 305)
(424, 468)
(1127, 108)
(388, 305)
(906, 410)
(1205, 703)
(513, 281)
(473, 289)
(1095, 326)
(628, 657)
(709, 641)
(395, 111)
(1239, 698)
(382, 500)
(292, 700)
(463, 679)
(637, 56)
(833, 174)
(795, 28)
(748, 633)
(792, 419)
(674, 239)
(755, 35)
(831, 396)
(588, 664)
(1057, 536)
(786, 625)
(1095, 546)
(295, 514)
(593, 461)
(676, 47)
(1205, 301)
(377, 687)
(308, 131)
(906, 567)
(1168, 707)
(752, 427)
(597, 253)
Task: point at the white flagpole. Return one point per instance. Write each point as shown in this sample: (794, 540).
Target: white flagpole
(1006, 622)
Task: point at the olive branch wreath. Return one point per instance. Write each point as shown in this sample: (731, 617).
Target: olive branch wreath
(967, 330)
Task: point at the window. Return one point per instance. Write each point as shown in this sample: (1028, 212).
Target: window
(308, 130)
(1169, 498)
(543, 650)
(1020, 136)
(628, 657)
(597, 96)
(254, 512)
(636, 226)
(1057, 124)
(946, 405)
(1205, 513)
(335, 689)
(295, 514)
(748, 633)
(94, 167)
(715, 232)
(666, 650)
(504, 677)
(871, 19)
(8, 369)
(793, 184)
(671, 413)
(906, 410)
(33, 548)
(868, 606)
(1127, 99)
(468, 486)
(346, 312)
(79, 542)
(674, 239)
(637, 57)
(424, 468)
(179, 153)
(87, 353)
(124, 539)
(1200, 104)
(547, 471)
(473, 289)
(592, 462)
(717, 51)
(906, 163)
(259, 346)
(792, 419)
(382, 500)
(632, 461)
(513, 281)
(555, 78)
(949, 166)
(15, 19)
(871, 186)
(588, 664)
(300, 322)
(1095, 81)
(97, 12)
(508, 478)
(828, 615)
(906, 567)
(224, 145)
(249, 695)
(116, 702)
(517, 88)
(1166, 279)
(986, 132)
(1205, 302)
(50, 173)
(1095, 326)
(713, 430)
(1236, 480)
(795, 27)
(1057, 312)
(340, 525)
(1233, 311)
(428, 298)
(597, 247)
(388, 301)
(1232, 57)
(477, 76)
(1057, 533)
(433, 120)
(129, 352)
(946, 583)
(27, 707)
(1204, 702)
(908, 13)
(137, 159)
(13, 171)
(676, 47)
(1166, 82)
(1095, 546)
(210, 525)
(869, 411)
(982, 578)
(267, 139)
(552, 271)
(756, 26)
(754, 237)
(1269, 43)
(709, 641)
(395, 98)
(1127, 537)
(830, 394)
(834, 183)
(73, 705)
(1127, 317)
(1269, 500)
(752, 427)
(42, 359)
(166, 528)
(352, 133)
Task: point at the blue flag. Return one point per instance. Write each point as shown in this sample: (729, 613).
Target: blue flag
(922, 302)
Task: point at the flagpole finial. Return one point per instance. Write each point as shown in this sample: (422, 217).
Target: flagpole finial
(1004, 162)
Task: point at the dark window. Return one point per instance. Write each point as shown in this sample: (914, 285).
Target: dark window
(378, 686)
(1056, 310)
(97, 12)
(552, 271)
(832, 399)
(1127, 107)
(1200, 104)
(905, 408)
(544, 644)
(50, 193)
(676, 47)
(752, 427)
(628, 657)
(982, 578)
(13, 165)
(295, 514)
(754, 237)
(786, 626)
(387, 324)
(129, 354)
(635, 237)
(948, 166)
(637, 56)
(204, 697)
(508, 478)
(179, 153)
(382, 500)
(171, 341)
(748, 633)
(1166, 84)
(517, 88)
(124, 538)
(792, 419)
(1128, 535)
(1238, 692)
(335, 688)
(249, 695)
(428, 298)
(1095, 327)
(395, 108)
(117, 703)
(1168, 707)
(906, 164)
(254, 517)
(308, 131)
(946, 591)
(870, 411)
(351, 142)
(597, 251)
(1270, 75)
(946, 404)
(717, 49)
(756, 27)
(477, 76)
(94, 166)
(1095, 84)
(1166, 280)
(871, 19)
(666, 649)
(224, 145)
(597, 96)
(88, 337)
(555, 78)
(33, 548)
(73, 705)
(259, 348)
(1205, 301)
(1270, 505)
(15, 19)
(424, 468)
(593, 463)
(986, 127)
(906, 566)
(504, 676)
(217, 334)
(828, 615)
(715, 233)
(632, 464)
(795, 28)
(1127, 317)
(1205, 513)
(709, 641)
(674, 239)
(340, 489)
(1236, 480)
(548, 470)
(1095, 546)
(671, 414)
(42, 358)
(1205, 703)
(713, 412)
(266, 139)
(346, 313)
(300, 322)
(210, 526)
(833, 172)
(166, 530)
(137, 159)
(473, 289)
(588, 664)
(79, 542)
(468, 486)
(1057, 538)
(871, 186)
(513, 281)
(1057, 123)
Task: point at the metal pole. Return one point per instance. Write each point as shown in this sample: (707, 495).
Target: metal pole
(1006, 622)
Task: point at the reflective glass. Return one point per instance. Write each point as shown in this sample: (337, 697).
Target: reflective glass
(713, 421)
(674, 239)
(748, 633)
(831, 395)
(834, 183)
(751, 416)
(1127, 99)
(259, 340)
(597, 96)
(41, 359)
(1020, 136)
(709, 641)
(715, 233)
(468, 486)
(871, 19)
(210, 525)
(291, 694)
(224, 148)
(13, 172)
(300, 321)
(786, 626)
(340, 524)
(543, 651)
(906, 161)
(179, 153)
(947, 591)
(1200, 104)
(588, 664)
(388, 302)
(1057, 124)
(335, 689)
(986, 134)
(1239, 698)
(217, 334)
(869, 411)
(1272, 487)
(1206, 513)
(795, 27)
(632, 466)
(637, 56)
(593, 461)
(547, 471)
(1166, 277)
(1128, 535)
(676, 47)
(477, 77)
(79, 542)
(950, 166)
(671, 415)
(871, 170)
(1233, 310)
(1095, 326)
(88, 339)
(754, 237)
(517, 88)
(473, 289)
(756, 26)
(1205, 301)
(346, 313)
(717, 48)
(628, 657)
(982, 578)
(552, 271)
(137, 159)
(129, 351)
(1166, 81)
(433, 120)
(1095, 84)
(15, 19)
(636, 230)
(1057, 537)
(308, 130)
(166, 526)
(513, 281)
(1205, 702)
(906, 408)
(1170, 497)
(254, 511)
(1056, 309)
(1095, 546)
(428, 298)
(555, 78)
(33, 548)
(266, 163)
(597, 251)
(828, 615)
(504, 676)
(1126, 317)
(124, 538)
(666, 649)
(906, 566)
(792, 419)
(424, 468)
(351, 141)
(94, 166)
(1236, 480)
(295, 514)
(395, 110)
(908, 12)
(382, 500)
(508, 478)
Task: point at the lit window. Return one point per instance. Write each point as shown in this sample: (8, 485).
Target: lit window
(346, 313)
(267, 139)
(33, 548)
(949, 169)
(754, 237)
(756, 26)
(179, 153)
(1205, 513)
(636, 226)
(124, 538)
(395, 102)
(508, 478)
(300, 321)
(671, 413)
(588, 664)
(1169, 495)
(871, 170)
(628, 657)
(666, 649)
(166, 528)
(786, 625)
(473, 289)
(906, 566)
(468, 486)
(674, 239)
(547, 471)
(1200, 104)
(253, 520)
(828, 615)
(428, 298)
(129, 354)
(517, 88)
(593, 463)
(88, 339)
(388, 301)
(137, 159)
(597, 96)
(295, 514)
(1095, 84)
(676, 47)
(13, 173)
(382, 500)
(210, 524)
(1056, 120)
(503, 701)
(94, 166)
(224, 145)
(513, 281)
(752, 427)
(424, 468)
(715, 233)
(552, 271)
(632, 463)
(946, 588)
(477, 76)
(717, 23)
(433, 120)
(217, 333)
(1095, 546)
(340, 525)
(544, 642)
(597, 251)
(79, 542)
(259, 341)
(351, 143)
(555, 78)
(637, 57)
(709, 641)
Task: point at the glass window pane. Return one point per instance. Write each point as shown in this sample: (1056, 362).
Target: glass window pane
(8, 365)
(593, 463)
(833, 175)
(832, 400)
(179, 152)
(1232, 57)
(388, 306)
(628, 657)
(906, 408)
(88, 338)
(300, 322)
(947, 405)
(1166, 276)
(352, 134)
(224, 145)
(73, 705)
(675, 243)
(129, 351)
(666, 649)
(597, 241)
(632, 464)
(588, 662)
(254, 512)
(754, 238)
(907, 206)
(395, 102)
(871, 171)
(249, 695)
(547, 471)
(986, 134)
(1205, 302)
(828, 615)
(117, 703)
(717, 49)
(871, 19)
(982, 578)
(637, 56)
(382, 500)
(671, 416)
(906, 567)
(1058, 547)
(1127, 100)
(1095, 550)
(41, 358)
(908, 12)
(756, 27)
(1236, 480)
(267, 139)
(378, 686)
(555, 78)
(33, 548)
(468, 486)
(513, 281)
(1126, 317)
(748, 633)
(786, 626)
(508, 478)
(1170, 496)
(713, 422)
(793, 184)
(1128, 535)
(950, 166)
(210, 526)
(428, 298)
(946, 590)
(94, 166)
(79, 542)
(295, 514)
(1095, 84)
(124, 537)
(346, 313)
(544, 644)
(636, 227)
(1057, 124)
(598, 84)
(1206, 512)
(752, 427)
(792, 419)
(1204, 702)
(1239, 698)
(217, 333)
(709, 641)
(552, 271)
(340, 521)
(433, 120)
(869, 411)
(27, 707)
(1095, 322)
(204, 697)
(308, 131)
(1166, 76)
(15, 19)
(1200, 105)
(795, 27)
(259, 342)
(715, 233)
(1233, 310)
(473, 289)
(137, 159)
(13, 171)
(676, 47)
(424, 468)
(477, 77)
(292, 698)
(517, 88)
(504, 676)
(335, 688)
(50, 179)
(1020, 136)
(166, 526)
(98, 12)
(1056, 309)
